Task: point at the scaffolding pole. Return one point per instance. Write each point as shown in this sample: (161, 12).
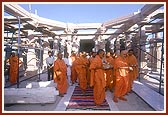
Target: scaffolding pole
(161, 64)
(139, 52)
(18, 50)
(40, 61)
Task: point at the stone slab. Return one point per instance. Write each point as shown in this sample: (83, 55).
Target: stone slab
(41, 84)
(154, 99)
(41, 95)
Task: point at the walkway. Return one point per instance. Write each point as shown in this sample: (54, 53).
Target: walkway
(134, 103)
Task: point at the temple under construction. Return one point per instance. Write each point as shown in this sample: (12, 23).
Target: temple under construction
(32, 36)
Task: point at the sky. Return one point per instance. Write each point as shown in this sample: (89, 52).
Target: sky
(82, 13)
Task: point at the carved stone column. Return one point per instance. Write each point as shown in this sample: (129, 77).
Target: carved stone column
(99, 40)
(112, 43)
(117, 46)
(158, 51)
(75, 43)
(67, 41)
(56, 46)
(142, 52)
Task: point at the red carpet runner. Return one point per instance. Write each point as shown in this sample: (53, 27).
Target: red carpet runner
(81, 101)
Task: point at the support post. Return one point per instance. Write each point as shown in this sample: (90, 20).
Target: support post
(161, 64)
(140, 52)
(18, 50)
(40, 60)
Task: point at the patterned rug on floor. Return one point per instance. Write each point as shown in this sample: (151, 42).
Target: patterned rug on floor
(80, 102)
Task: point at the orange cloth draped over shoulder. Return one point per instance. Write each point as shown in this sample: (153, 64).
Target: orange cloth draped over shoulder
(60, 77)
(122, 74)
(99, 80)
(109, 73)
(73, 71)
(88, 71)
(132, 62)
(92, 72)
(13, 72)
(81, 69)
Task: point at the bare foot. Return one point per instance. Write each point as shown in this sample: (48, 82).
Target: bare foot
(61, 95)
(83, 91)
(115, 99)
(122, 98)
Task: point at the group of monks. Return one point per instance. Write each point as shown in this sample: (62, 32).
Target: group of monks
(101, 71)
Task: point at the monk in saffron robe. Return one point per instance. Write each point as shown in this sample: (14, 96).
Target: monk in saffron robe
(132, 61)
(60, 77)
(14, 66)
(99, 79)
(92, 71)
(81, 69)
(109, 71)
(73, 71)
(87, 68)
(122, 73)
(113, 78)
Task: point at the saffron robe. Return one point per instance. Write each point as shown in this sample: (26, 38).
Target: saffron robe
(109, 73)
(81, 69)
(99, 80)
(13, 72)
(73, 71)
(132, 61)
(121, 68)
(91, 73)
(134, 73)
(60, 70)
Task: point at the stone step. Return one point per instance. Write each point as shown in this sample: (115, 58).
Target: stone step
(154, 99)
(41, 84)
(156, 76)
(40, 95)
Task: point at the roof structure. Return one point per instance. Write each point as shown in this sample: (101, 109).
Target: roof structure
(49, 27)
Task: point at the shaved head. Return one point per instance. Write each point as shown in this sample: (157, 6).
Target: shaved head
(124, 53)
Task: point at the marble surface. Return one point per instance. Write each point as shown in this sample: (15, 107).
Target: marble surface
(31, 95)
(154, 99)
(61, 106)
(134, 104)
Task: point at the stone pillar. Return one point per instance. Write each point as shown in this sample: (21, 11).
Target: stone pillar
(142, 52)
(128, 41)
(99, 40)
(158, 51)
(154, 58)
(71, 41)
(100, 43)
(62, 44)
(112, 43)
(32, 69)
(151, 59)
(134, 45)
(75, 43)
(143, 46)
(68, 43)
(117, 46)
(55, 46)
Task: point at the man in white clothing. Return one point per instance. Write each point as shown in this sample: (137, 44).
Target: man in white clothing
(50, 64)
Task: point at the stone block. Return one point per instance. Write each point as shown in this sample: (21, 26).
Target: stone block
(40, 95)
(41, 84)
